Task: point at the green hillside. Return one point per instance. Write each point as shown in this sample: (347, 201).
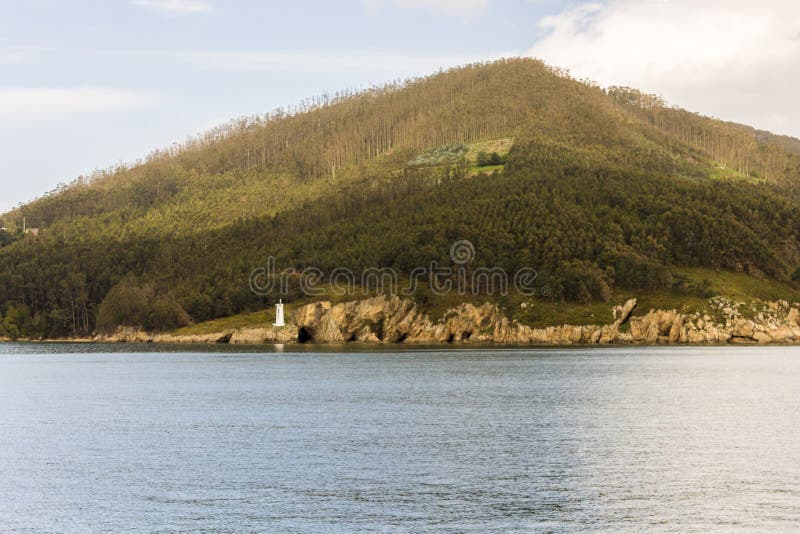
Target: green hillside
(603, 193)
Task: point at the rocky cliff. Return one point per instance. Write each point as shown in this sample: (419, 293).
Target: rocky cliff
(396, 320)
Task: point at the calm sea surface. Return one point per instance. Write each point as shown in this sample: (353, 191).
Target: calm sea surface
(100, 438)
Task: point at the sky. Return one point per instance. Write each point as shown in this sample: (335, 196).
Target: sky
(85, 84)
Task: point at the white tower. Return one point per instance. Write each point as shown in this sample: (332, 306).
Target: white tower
(279, 314)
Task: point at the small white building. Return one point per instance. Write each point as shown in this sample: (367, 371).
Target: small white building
(279, 314)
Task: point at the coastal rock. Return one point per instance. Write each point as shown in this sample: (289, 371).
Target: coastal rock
(396, 320)
(783, 334)
(793, 317)
(654, 325)
(623, 313)
(258, 336)
(762, 337)
(744, 328)
(388, 319)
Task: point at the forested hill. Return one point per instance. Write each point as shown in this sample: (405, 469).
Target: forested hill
(599, 190)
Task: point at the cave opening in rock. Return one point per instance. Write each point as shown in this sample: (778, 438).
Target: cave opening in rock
(451, 338)
(304, 335)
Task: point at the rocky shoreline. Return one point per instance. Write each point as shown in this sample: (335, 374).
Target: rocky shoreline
(396, 320)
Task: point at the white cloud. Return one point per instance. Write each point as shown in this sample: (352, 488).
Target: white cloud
(34, 104)
(465, 7)
(178, 7)
(735, 59)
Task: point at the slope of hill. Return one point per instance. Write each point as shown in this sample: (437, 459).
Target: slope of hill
(601, 192)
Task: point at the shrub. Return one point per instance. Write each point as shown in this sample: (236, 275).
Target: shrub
(484, 159)
(584, 282)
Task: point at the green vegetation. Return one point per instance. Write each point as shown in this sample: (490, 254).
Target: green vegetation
(689, 293)
(135, 305)
(604, 194)
(740, 286)
(9, 236)
(488, 156)
(747, 152)
(485, 159)
(444, 155)
(257, 319)
(17, 322)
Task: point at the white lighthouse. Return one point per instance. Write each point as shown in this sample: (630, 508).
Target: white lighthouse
(279, 314)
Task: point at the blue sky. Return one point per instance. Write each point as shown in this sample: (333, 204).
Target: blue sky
(85, 84)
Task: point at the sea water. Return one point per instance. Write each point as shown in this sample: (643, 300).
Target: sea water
(109, 438)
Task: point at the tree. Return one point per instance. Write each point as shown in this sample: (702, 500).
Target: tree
(16, 321)
(129, 305)
(125, 305)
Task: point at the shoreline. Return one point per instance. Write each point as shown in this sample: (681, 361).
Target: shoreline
(160, 339)
(402, 346)
(393, 321)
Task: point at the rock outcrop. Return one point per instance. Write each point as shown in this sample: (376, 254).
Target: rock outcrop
(393, 320)
(396, 320)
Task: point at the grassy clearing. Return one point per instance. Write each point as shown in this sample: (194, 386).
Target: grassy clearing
(501, 146)
(725, 174)
(234, 322)
(741, 286)
(451, 156)
(474, 170)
